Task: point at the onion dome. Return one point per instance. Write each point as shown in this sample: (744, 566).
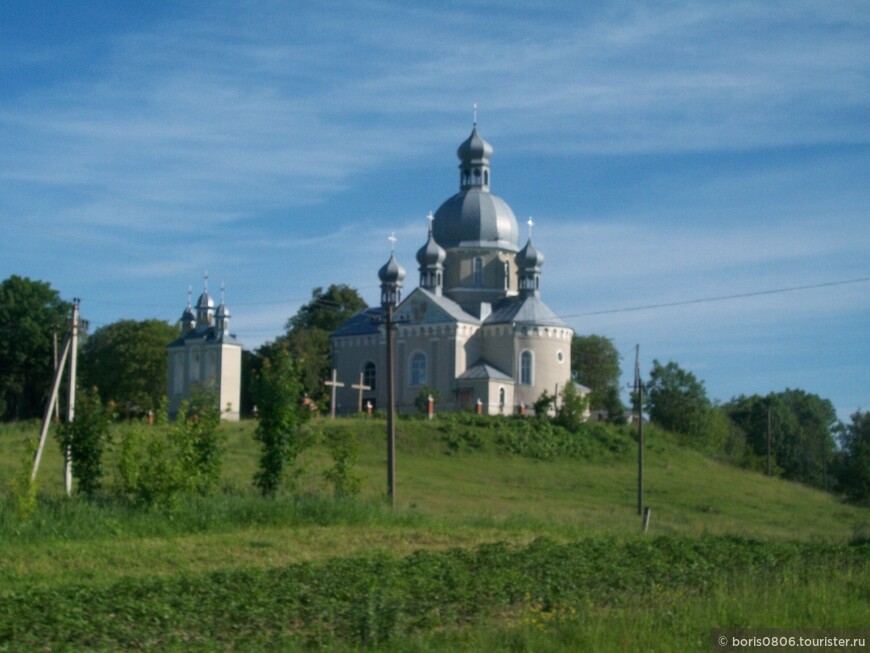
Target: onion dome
(530, 257)
(474, 149)
(431, 254)
(391, 271)
(222, 317)
(391, 275)
(529, 262)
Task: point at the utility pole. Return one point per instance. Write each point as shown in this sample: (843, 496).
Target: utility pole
(768, 440)
(391, 276)
(638, 390)
(391, 412)
(71, 404)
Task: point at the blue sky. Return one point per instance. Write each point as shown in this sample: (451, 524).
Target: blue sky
(668, 152)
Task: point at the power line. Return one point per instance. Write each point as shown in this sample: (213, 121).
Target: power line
(720, 298)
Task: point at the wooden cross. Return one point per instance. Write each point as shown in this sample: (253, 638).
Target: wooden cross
(361, 387)
(333, 384)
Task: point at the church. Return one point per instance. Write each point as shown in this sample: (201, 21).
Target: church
(475, 333)
(206, 355)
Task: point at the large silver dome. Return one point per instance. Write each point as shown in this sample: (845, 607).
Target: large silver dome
(474, 217)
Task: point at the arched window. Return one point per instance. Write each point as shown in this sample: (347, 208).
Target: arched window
(477, 271)
(418, 369)
(501, 397)
(526, 368)
(370, 376)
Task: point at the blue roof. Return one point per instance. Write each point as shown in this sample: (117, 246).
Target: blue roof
(482, 370)
(524, 310)
(362, 323)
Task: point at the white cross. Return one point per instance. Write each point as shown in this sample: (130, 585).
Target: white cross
(431, 219)
(392, 240)
(333, 385)
(531, 224)
(361, 387)
(474, 113)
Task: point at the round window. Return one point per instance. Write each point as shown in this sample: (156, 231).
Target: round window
(560, 356)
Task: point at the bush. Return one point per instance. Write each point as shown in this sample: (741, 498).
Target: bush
(85, 438)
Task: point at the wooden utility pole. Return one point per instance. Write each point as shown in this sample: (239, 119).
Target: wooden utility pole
(70, 346)
(52, 404)
(638, 390)
(71, 404)
(768, 440)
(391, 411)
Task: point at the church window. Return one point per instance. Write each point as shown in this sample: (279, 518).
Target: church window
(418, 369)
(370, 375)
(486, 177)
(560, 356)
(477, 271)
(501, 397)
(507, 276)
(526, 365)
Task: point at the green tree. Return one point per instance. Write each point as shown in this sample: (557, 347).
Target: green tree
(278, 393)
(571, 413)
(127, 361)
(853, 469)
(802, 427)
(595, 364)
(86, 437)
(159, 464)
(677, 401)
(307, 337)
(29, 312)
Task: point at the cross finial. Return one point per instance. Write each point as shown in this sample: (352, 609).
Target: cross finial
(431, 219)
(531, 224)
(474, 113)
(392, 240)
(222, 292)
(205, 280)
(189, 295)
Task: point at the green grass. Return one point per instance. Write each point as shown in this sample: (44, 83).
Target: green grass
(782, 551)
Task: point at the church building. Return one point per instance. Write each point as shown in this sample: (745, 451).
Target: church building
(207, 356)
(475, 332)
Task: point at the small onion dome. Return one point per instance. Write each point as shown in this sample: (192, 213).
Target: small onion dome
(205, 301)
(529, 257)
(474, 148)
(188, 315)
(223, 311)
(431, 253)
(391, 272)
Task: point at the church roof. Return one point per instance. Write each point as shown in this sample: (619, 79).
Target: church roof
(524, 310)
(482, 370)
(364, 322)
(208, 334)
(446, 304)
(476, 218)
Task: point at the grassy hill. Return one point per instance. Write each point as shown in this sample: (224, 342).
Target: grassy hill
(460, 483)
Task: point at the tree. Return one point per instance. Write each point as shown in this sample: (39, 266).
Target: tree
(677, 401)
(29, 312)
(853, 468)
(307, 338)
(127, 361)
(278, 393)
(802, 427)
(86, 437)
(595, 364)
